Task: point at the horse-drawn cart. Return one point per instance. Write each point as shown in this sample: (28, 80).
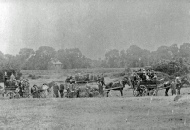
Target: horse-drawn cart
(144, 88)
(11, 92)
(12, 89)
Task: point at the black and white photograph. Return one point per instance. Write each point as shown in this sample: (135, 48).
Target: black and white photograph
(95, 64)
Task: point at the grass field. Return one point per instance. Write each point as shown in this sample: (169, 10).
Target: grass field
(46, 76)
(112, 113)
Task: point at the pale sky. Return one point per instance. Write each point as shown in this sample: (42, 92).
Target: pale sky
(93, 26)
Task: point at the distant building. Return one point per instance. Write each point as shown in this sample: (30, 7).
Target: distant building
(55, 65)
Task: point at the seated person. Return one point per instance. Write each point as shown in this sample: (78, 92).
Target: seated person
(155, 77)
(151, 75)
(68, 79)
(140, 75)
(148, 72)
(147, 78)
(144, 77)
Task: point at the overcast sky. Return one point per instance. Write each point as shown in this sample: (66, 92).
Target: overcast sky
(93, 26)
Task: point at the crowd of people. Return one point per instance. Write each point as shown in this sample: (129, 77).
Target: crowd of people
(71, 80)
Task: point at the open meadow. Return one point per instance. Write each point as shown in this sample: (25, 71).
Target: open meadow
(97, 113)
(113, 113)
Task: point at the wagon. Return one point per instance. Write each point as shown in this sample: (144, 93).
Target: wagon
(144, 88)
(11, 90)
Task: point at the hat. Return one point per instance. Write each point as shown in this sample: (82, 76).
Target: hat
(177, 78)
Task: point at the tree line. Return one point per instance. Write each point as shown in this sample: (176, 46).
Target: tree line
(134, 56)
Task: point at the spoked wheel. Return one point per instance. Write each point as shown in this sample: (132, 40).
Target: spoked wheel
(10, 95)
(135, 92)
(144, 91)
(155, 92)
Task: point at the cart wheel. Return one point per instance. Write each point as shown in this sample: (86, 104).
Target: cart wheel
(135, 92)
(10, 95)
(145, 92)
(155, 93)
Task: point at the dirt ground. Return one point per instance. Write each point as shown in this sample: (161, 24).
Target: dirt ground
(112, 113)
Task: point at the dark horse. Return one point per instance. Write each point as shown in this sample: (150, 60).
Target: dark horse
(119, 85)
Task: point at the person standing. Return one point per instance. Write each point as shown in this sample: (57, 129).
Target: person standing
(102, 81)
(178, 85)
(5, 79)
(100, 87)
(5, 76)
(34, 91)
(61, 90)
(12, 78)
(56, 90)
(173, 88)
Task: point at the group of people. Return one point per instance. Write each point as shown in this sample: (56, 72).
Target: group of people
(175, 85)
(73, 79)
(150, 76)
(98, 78)
(143, 75)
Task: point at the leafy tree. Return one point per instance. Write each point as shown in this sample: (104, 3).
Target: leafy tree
(72, 58)
(112, 58)
(40, 59)
(185, 50)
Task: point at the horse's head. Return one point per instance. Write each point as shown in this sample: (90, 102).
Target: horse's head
(51, 84)
(184, 80)
(125, 81)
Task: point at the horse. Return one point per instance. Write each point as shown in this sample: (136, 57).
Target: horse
(121, 84)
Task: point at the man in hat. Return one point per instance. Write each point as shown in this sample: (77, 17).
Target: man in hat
(68, 79)
(102, 80)
(173, 88)
(144, 76)
(178, 85)
(72, 80)
(151, 74)
(34, 91)
(5, 76)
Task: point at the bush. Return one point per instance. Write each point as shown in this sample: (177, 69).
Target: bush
(33, 76)
(172, 68)
(117, 75)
